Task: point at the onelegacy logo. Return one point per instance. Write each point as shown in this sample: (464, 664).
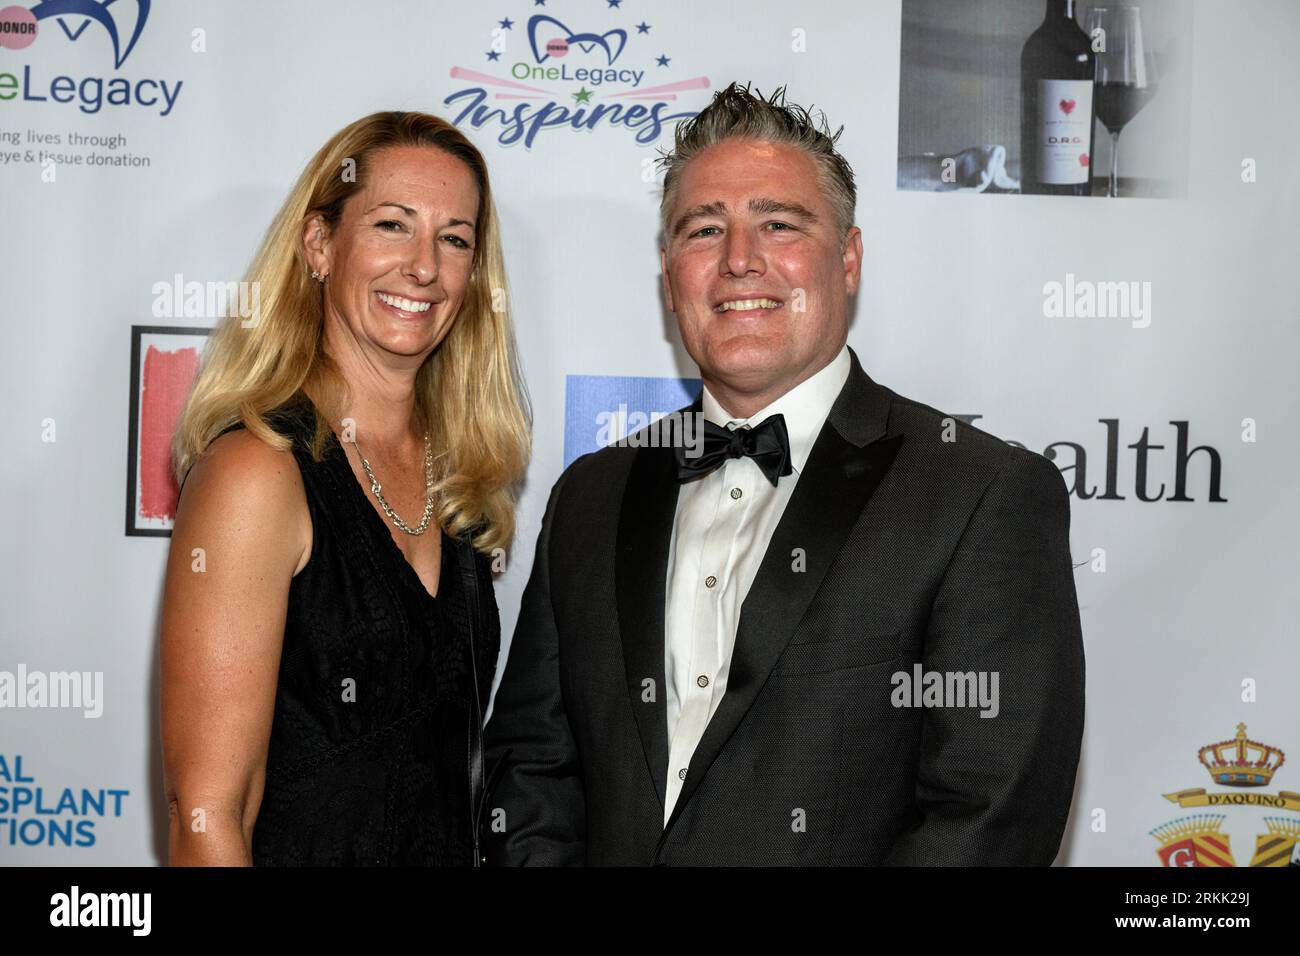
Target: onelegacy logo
(548, 73)
(122, 25)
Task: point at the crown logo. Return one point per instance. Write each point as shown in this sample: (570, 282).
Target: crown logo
(1241, 762)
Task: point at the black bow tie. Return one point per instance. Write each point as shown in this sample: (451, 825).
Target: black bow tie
(767, 443)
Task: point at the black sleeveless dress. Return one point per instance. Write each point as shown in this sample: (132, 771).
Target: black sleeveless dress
(375, 756)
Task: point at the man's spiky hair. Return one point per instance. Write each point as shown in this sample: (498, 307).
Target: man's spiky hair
(737, 113)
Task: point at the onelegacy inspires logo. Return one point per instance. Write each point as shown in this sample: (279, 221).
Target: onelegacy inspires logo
(571, 78)
(19, 28)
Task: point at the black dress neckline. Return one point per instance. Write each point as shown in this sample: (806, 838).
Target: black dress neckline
(379, 528)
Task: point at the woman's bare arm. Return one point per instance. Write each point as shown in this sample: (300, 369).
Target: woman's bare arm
(242, 531)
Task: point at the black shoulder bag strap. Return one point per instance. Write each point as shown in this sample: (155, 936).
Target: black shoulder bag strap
(469, 575)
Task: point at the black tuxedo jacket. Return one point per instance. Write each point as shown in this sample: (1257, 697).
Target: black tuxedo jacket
(897, 548)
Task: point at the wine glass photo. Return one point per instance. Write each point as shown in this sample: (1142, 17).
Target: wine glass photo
(1125, 78)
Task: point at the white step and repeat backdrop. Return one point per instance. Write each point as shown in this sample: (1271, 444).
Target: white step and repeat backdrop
(145, 147)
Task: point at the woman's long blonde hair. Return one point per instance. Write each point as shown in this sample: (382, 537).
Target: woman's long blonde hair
(469, 394)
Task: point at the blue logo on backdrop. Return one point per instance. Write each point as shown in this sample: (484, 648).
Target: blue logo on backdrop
(551, 73)
(122, 21)
(96, 12)
(36, 815)
(601, 409)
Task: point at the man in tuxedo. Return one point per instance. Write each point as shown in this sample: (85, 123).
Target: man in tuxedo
(844, 633)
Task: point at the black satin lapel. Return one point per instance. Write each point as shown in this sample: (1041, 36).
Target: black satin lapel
(645, 527)
(838, 480)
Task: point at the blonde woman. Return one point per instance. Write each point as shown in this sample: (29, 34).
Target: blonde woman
(349, 464)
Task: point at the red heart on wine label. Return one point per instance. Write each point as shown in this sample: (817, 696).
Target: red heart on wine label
(1067, 107)
(1083, 159)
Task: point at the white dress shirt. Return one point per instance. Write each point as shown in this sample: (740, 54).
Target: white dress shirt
(721, 531)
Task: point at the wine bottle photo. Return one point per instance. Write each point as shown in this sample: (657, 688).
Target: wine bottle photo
(1008, 97)
(1057, 112)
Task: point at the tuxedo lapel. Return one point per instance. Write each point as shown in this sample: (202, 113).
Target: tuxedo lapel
(848, 460)
(645, 528)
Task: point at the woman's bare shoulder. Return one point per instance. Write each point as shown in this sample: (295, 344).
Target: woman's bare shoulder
(243, 486)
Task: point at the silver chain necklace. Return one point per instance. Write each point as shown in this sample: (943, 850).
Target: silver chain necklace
(376, 488)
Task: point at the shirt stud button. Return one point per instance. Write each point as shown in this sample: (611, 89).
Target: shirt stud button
(736, 493)
(710, 581)
(681, 774)
(702, 680)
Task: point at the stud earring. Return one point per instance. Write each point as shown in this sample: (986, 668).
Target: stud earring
(317, 276)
